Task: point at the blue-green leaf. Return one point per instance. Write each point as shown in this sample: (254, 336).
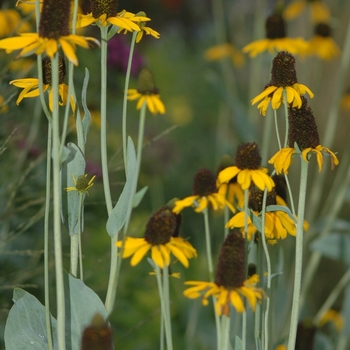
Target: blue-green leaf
(75, 164)
(123, 207)
(87, 115)
(26, 324)
(138, 196)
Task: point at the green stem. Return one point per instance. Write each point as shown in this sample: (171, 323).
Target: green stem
(298, 254)
(81, 205)
(125, 97)
(117, 258)
(276, 126)
(46, 237)
(74, 254)
(268, 264)
(57, 209)
(225, 323)
(285, 105)
(244, 330)
(266, 137)
(163, 308)
(104, 160)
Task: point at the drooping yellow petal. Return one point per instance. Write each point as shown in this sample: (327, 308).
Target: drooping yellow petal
(178, 254)
(157, 256)
(250, 295)
(183, 203)
(139, 254)
(227, 174)
(236, 301)
(264, 94)
(69, 51)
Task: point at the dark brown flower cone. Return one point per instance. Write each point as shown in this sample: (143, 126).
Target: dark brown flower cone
(283, 71)
(323, 29)
(306, 332)
(204, 183)
(248, 157)
(54, 20)
(275, 27)
(47, 70)
(302, 127)
(100, 7)
(230, 271)
(256, 197)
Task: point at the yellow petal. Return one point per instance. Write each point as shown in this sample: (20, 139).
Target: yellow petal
(236, 301)
(157, 256)
(68, 50)
(178, 254)
(139, 254)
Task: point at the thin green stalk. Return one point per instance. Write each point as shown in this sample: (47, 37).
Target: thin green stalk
(46, 238)
(268, 265)
(74, 254)
(211, 272)
(333, 296)
(298, 254)
(244, 330)
(266, 137)
(277, 131)
(166, 295)
(104, 159)
(117, 258)
(57, 209)
(225, 327)
(285, 105)
(125, 97)
(168, 335)
(81, 205)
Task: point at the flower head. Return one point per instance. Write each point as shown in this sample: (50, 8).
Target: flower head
(82, 185)
(204, 192)
(278, 224)
(322, 44)
(144, 29)
(221, 51)
(319, 10)
(30, 86)
(53, 33)
(303, 132)
(247, 168)
(161, 237)
(104, 13)
(283, 78)
(230, 285)
(276, 39)
(334, 317)
(147, 93)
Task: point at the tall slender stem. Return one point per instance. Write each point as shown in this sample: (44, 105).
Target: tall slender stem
(298, 254)
(46, 237)
(57, 208)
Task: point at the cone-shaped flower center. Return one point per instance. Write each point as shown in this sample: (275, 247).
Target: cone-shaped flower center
(248, 157)
(323, 29)
(47, 71)
(204, 183)
(230, 272)
(145, 83)
(161, 226)
(283, 71)
(54, 20)
(302, 127)
(256, 197)
(100, 7)
(275, 27)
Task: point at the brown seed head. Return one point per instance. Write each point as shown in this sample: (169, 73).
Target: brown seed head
(323, 29)
(100, 7)
(230, 272)
(283, 71)
(248, 157)
(256, 197)
(302, 127)
(275, 27)
(280, 186)
(306, 332)
(204, 183)
(161, 226)
(54, 20)
(47, 71)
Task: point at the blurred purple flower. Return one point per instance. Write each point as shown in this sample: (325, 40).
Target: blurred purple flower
(118, 55)
(93, 168)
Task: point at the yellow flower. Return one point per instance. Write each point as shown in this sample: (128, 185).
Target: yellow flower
(284, 158)
(221, 51)
(144, 28)
(125, 20)
(11, 21)
(277, 225)
(160, 253)
(292, 45)
(319, 10)
(322, 44)
(153, 101)
(205, 192)
(246, 176)
(274, 95)
(334, 317)
(82, 185)
(147, 93)
(30, 88)
(161, 237)
(232, 190)
(226, 296)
